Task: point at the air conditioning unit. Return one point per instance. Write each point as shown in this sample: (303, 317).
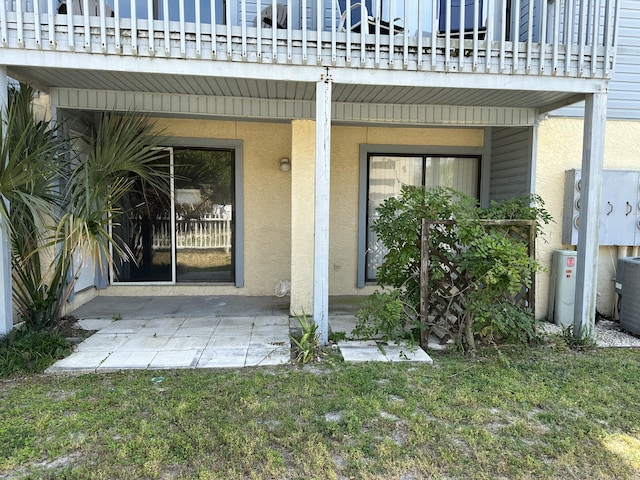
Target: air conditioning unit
(628, 288)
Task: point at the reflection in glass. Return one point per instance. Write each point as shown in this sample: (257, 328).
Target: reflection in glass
(204, 215)
(142, 232)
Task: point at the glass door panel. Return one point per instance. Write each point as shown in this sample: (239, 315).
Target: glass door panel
(204, 215)
(144, 232)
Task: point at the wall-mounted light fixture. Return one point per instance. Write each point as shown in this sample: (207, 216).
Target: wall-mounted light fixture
(285, 164)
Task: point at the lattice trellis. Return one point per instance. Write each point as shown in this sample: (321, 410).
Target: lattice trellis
(441, 280)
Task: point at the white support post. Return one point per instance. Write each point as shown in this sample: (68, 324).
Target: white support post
(321, 230)
(6, 305)
(595, 116)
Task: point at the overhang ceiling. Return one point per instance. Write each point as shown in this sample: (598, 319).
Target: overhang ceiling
(46, 78)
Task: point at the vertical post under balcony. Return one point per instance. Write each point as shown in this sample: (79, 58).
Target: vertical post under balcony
(595, 116)
(6, 305)
(321, 230)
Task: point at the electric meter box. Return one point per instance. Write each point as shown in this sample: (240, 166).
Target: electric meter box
(619, 207)
(562, 289)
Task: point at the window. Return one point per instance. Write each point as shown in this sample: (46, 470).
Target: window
(386, 174)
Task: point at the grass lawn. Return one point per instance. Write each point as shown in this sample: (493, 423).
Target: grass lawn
(530, 413)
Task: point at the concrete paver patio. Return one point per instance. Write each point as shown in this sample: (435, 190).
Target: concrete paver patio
(201, 332)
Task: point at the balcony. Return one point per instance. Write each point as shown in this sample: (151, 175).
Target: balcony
(541, 38)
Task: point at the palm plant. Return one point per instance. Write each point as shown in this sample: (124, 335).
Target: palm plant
(28, 183)
(62, 205)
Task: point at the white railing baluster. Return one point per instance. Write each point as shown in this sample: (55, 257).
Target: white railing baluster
(461, 32)
(612, 39)
(87, 26)
(198, 30)
(405, 36)
(150, 26)
(543, 36)
(392, 9)
(70, 27)
(304, 31)
(103, 27)
(530, 35)
(319, 27)
(243, 27)
(183, 39)
(134, 28)
(377, 32)
(348, 29)
(334, 48)
(568, 36)
(516, 38)
(37, 25)
(274, 31)
(51, 23)
(420, 60)
(476, 21)
(116, 22)
(214, 41)
(259, 30)
(447, 36)
(20, 23)
(489, 35)
(434, 34)
(503, 36)
(167, 33)
(596, 38)
(289, 32)
(228, 22)
(556, 37)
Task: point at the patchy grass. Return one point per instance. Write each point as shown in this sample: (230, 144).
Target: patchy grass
(546, 413)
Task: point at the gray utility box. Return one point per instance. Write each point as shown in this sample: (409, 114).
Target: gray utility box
(619, 211)
(562, 288)
(628, 288)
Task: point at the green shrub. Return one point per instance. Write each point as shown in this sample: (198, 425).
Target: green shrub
(29, 351)
(494, 265)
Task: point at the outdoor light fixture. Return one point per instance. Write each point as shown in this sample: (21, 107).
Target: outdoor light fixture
(285, 164)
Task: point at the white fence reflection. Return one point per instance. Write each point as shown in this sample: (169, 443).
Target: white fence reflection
(202, 232)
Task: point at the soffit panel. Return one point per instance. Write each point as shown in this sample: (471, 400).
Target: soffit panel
(283, 90)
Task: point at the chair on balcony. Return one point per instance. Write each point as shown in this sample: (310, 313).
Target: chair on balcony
(356, 20)
(94, 8)
(265, 19)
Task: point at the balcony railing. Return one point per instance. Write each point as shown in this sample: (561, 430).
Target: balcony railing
(574, 38)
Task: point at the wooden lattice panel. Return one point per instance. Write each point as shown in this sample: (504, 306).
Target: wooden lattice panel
(441, 281)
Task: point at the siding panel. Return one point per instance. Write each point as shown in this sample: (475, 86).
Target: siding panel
(510, 162)
(624, 87)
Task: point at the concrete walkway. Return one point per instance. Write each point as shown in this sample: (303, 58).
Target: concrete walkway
(203, 332)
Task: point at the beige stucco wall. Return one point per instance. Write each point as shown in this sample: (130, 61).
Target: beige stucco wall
(268, 197)
(560, 149)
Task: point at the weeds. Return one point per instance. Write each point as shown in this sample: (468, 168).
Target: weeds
(25, 351)
(307, 346)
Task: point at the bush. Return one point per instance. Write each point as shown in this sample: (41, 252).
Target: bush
(30, 351)
(495, 266)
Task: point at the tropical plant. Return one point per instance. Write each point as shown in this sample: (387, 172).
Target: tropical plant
(62, 204)
(307, 344)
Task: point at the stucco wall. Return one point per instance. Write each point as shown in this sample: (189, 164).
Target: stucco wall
(560, 149)
(268, 197)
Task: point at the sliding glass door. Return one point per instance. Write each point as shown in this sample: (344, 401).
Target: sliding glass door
(183, 231)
